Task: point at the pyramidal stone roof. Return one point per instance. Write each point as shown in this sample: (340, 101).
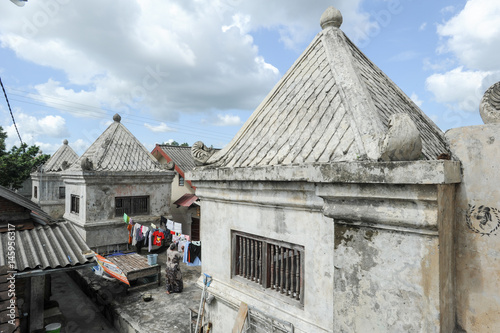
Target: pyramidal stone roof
(332, 105)
(61, 159)
(116, 149)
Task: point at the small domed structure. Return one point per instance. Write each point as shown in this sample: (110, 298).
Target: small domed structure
(117, 117)
(65, 142)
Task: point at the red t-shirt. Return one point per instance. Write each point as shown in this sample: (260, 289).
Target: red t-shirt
(157, 238)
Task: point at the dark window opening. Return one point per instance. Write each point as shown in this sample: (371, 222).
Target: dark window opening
(75, 204)
(62, 192)
(132, 205)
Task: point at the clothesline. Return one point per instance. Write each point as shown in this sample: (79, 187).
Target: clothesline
(140, 235)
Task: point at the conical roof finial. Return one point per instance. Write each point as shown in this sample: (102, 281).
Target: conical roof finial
(65, 142)
(332, 17)
(117, 117)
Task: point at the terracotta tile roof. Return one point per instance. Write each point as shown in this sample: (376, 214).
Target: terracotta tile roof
(64, 154)
(331, 106)
(118, 150)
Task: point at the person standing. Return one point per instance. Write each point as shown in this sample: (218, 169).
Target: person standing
(173, 272)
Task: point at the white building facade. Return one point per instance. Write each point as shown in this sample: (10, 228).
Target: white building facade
(116, 175)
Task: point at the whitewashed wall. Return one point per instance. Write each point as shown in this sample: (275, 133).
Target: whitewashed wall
(478, 233)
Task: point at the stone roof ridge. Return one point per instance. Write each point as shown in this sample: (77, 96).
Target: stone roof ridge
(62, 159)
(332, 105)
(117, 149)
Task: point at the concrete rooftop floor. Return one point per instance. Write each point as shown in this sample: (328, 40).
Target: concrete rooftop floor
(128, 312)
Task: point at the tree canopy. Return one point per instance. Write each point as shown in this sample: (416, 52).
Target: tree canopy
(17, 163)
(175, 143)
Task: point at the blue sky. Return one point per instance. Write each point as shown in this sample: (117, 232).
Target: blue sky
(189, 70)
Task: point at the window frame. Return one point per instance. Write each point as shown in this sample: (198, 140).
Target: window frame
(181, 180)
(132, 207)
(75, 204)
(298, 253)
(62, 194)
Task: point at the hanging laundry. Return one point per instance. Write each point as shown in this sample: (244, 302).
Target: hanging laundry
(129, 228)
(158, 237)
(126, 218)
(197, 260)
(177, 227)
(170, 224)
(135, 233)
(194, 251)
(163, 221)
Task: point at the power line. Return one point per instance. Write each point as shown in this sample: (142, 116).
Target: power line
(99, 112)
(12, 115)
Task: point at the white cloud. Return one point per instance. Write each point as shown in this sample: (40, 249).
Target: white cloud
(437, 65)
(228, 120)
(162, 127)
(472, 39)
(296, 22)
(33, 129)
(448, 9)
(416, 100)
(79, 146)
(459, 89)
(473, 35)
(422, 26)
(162, 57)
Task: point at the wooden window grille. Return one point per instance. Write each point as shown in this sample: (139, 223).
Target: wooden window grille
(75, 204)
(132, 205)
(274, 265)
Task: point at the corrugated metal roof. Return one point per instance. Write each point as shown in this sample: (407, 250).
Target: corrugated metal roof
(64, 155)
(186, 200)
(116, 149)
(26, 203)
(44, 247)
(330, 106)
(181, 156)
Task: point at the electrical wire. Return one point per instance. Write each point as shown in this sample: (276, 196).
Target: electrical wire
(97, 112)
(11, 114)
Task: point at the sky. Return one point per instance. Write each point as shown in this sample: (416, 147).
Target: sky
(195, 70)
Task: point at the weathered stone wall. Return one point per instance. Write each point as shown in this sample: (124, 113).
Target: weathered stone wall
(391, 250)
(477, 226)
(378, 241)
(281, 211)
(96, 221)
(48, 193)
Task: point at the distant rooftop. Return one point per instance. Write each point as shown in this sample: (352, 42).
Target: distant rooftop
(117, 150)
(61, 159)
(181, 156)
